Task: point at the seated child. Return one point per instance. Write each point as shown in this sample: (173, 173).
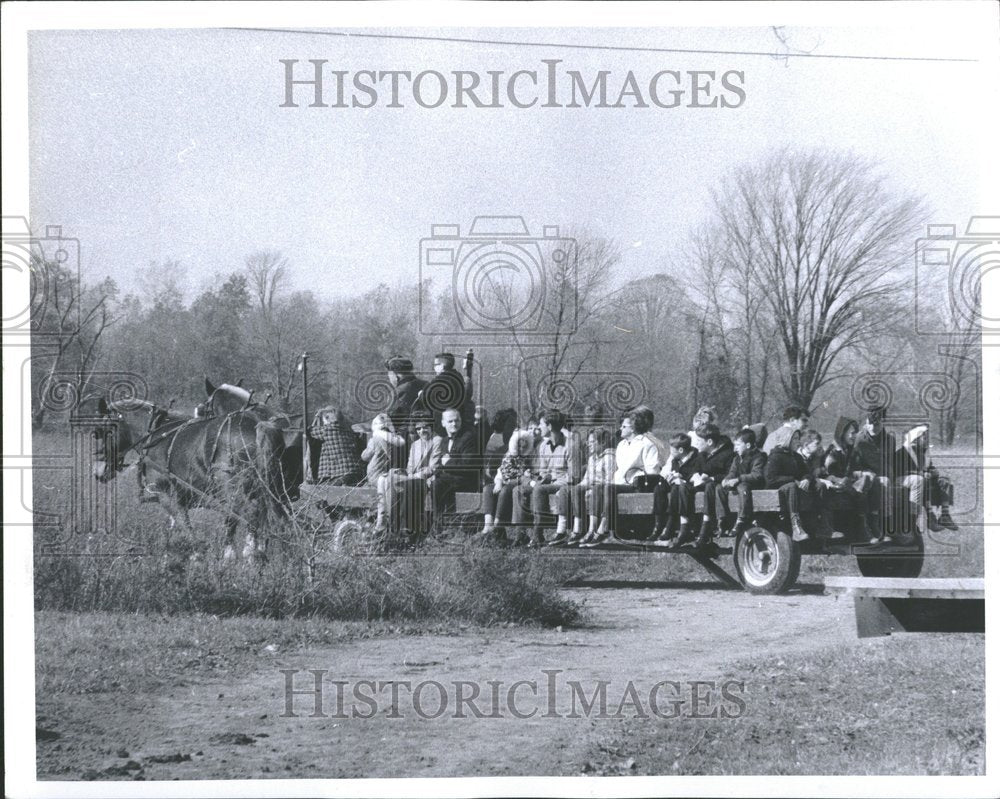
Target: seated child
(385, 451)
(746, 473)
(673, 499)
(516, 466)
(589, 492)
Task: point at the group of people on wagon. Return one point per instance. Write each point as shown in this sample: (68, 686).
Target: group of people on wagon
(433, 442)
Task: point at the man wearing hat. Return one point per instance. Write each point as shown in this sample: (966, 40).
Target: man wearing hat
(925, 486)
(406, 388)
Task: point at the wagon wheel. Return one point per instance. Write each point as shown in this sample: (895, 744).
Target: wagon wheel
(349, 534)
(766, 562)
(892, 560)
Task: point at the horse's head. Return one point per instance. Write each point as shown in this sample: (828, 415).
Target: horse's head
(111, 432)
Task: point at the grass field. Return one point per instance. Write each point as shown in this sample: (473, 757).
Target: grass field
(888, 706)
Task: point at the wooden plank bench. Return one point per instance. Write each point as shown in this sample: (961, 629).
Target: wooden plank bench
(343, 496)
(468, 502)
(632, 504)
(884, 605)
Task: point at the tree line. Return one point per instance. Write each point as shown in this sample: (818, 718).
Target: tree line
(798, 283)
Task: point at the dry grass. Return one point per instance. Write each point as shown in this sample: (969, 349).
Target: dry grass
(889, 706)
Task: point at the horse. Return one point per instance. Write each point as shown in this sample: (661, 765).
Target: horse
(229, 463)
(227, 398)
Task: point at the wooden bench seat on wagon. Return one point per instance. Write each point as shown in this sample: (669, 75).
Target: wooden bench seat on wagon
(635, 504)
(467, 502)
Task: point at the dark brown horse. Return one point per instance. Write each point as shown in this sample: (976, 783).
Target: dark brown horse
(227, 398)
(230, 463)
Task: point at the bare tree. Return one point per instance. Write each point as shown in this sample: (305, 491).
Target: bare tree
(822, 240)
(570, 326)
(71, 328)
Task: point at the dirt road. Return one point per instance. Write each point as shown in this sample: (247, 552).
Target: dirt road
(240, 728)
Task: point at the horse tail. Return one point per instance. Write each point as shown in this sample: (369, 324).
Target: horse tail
(270, 445)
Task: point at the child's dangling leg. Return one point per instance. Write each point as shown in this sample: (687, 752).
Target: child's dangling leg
(381, 486)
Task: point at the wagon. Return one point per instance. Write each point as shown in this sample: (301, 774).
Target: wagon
(765, 558)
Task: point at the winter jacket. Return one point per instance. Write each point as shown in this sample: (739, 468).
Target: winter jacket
(838, 454)
(716, 462)
(779, 438)
(760, 431)
(403, 399)
(873, 454)
(911, 461)
(638, 456)
(749, 468)
(445, 391)
(784, 466)
(687, 465)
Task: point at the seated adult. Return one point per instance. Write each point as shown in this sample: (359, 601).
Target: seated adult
(746, 473)
(794, 420)
(645, 413)
(926, 488)
(871, 462)
(407, 490)
(717, 459)
(788, 471)
(448, 389)
(552, 471)
(636, 457)
(406, 387)
(339, 459)
(673, 499)
(844, 494)
(459, 467)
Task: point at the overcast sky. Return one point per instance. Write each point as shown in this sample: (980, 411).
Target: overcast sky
(171, 145)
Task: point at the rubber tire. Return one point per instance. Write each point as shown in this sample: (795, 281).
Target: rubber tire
(907, 565)
(786, 557)
(349, 534)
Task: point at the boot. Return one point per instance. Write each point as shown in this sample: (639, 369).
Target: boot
(933, 522)
(684, 535)
(741, 526)
(706, 534)
(521, 540)
(659, 527)
(945, 519)
(798, 531)
(667, 532)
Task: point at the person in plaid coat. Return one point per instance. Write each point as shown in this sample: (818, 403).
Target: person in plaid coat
(339, 461)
